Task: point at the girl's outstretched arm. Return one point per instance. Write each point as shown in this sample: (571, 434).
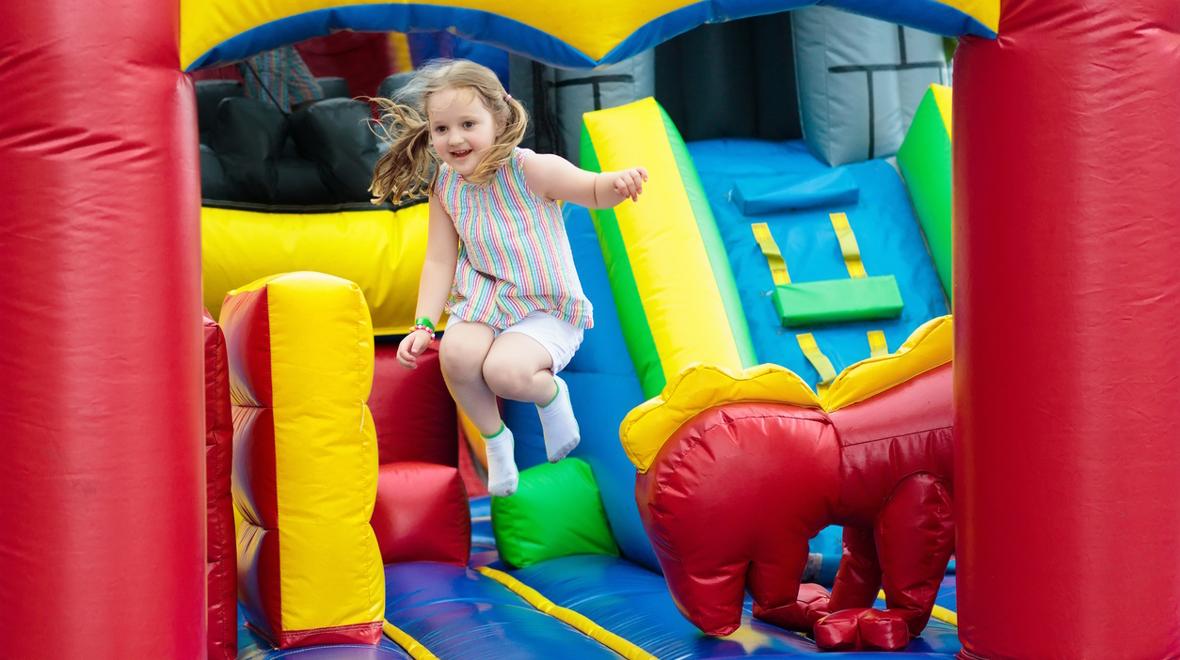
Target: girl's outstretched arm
(438, 274)
(557, 178)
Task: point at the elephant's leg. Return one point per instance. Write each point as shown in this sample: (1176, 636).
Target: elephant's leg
(856, 585)
(914, 540)
(859, 576)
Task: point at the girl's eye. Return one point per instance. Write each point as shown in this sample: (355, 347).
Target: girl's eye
(468, 124)
(440, 129)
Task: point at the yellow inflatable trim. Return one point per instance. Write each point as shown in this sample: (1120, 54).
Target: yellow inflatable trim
(702, 386)
(987, 12)
(939, 612)
(928, 347)
(575, 620)
(593, 28)
(408, 643)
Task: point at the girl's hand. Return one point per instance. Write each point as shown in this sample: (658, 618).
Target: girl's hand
(629, 183)
(413, 345)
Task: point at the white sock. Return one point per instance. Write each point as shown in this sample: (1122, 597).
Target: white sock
(559, 424)
(502, 474)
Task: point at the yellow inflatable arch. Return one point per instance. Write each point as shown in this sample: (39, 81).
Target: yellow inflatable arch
(575, 33)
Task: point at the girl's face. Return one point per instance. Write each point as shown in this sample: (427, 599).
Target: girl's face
(461, 128)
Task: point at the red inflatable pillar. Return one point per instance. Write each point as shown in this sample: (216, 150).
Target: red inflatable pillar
(102, 541)
(1067, 304)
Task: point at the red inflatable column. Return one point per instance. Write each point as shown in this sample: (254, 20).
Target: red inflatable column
(1067, 303)
(102, 541)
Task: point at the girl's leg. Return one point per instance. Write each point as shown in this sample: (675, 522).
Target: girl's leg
(518, 367)
(462, 353)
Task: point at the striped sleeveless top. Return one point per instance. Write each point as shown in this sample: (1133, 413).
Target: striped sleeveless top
(514, 255)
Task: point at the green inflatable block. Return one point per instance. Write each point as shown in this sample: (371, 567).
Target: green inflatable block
(925, 163)
(833, 301)
(555, 512)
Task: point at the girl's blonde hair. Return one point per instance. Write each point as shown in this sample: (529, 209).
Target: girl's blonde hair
(407, 169)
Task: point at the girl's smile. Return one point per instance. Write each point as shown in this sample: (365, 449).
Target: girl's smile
(462, 129)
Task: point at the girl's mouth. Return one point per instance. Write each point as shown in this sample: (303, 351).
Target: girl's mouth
(461, 154)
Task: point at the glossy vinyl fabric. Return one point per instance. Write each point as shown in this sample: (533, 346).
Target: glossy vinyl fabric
(221, 548)
(413, 412)
(101, 346)
(252, 646)
(459, 614)
(422, 514)
(634, 603)
(575, 33)
(735, 494)
(1067, 159)
(305, 452)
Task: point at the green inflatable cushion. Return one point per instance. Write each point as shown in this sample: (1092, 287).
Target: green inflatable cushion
(834, 301)
(555, 512)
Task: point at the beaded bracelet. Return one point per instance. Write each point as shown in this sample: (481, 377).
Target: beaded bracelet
(425, 322)
(428, 329)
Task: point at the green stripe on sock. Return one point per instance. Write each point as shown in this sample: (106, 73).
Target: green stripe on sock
(556, 392)
(497, 433)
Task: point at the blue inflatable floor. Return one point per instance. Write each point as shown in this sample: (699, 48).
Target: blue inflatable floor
(458, 613)
(634, 603)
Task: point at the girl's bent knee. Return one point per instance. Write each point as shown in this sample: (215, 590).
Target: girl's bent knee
(461, 363)
(506, 380)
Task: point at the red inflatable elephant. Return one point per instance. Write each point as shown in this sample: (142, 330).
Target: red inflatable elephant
(735, 493)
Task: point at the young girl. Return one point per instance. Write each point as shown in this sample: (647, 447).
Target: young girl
(497, 255)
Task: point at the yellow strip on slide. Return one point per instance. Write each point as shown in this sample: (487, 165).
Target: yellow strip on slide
(408, 643)
(675, 280)
(579, 622)
(878, 346)
(816, 357)
(939, 612)
(848, 246)
(774, 256)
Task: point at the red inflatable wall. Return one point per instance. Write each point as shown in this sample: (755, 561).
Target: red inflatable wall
(1067, 302)
(102, 553)
(221, 553)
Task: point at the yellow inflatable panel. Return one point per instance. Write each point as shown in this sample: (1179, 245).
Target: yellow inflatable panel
(702, 386)
(381, 250)
(302, 349)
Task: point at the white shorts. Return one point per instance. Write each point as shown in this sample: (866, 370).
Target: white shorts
(561, 339)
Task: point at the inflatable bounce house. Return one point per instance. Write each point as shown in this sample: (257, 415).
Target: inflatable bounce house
(781, 455)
